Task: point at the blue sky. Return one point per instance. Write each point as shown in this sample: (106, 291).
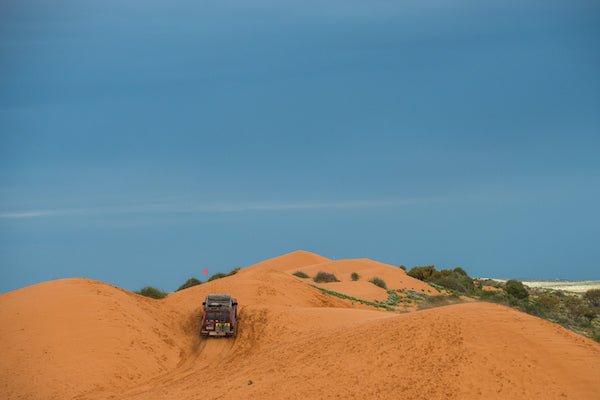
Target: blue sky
(141, 142)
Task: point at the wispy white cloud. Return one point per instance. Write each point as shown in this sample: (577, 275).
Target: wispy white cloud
(213, 208)
(23, 214)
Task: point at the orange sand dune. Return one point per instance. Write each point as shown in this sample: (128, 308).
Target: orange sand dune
(82, 339)
(73, 336)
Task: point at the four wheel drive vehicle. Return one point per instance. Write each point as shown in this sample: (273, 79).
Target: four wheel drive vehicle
(220, 315)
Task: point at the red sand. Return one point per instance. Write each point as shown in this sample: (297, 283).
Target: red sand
(490, 289)
(83, 339)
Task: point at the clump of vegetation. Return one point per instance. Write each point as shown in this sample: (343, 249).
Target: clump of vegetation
(301, 274)
(578, 310)
(189, 283)
(378, 282)
(393, 298)
(152, 292)
(423, 273)
(220, 275)
(592, 297)
(355, 276)
(402, 267)
(456, 280)
(516, 289)
(250, 382)
(325, 277)
(548, 303)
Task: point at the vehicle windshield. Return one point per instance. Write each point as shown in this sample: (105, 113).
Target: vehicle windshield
(217, 316)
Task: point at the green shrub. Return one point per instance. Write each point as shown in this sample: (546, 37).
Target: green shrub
(218, 275)
(578, 310)
(422, 273)
(592, 297)
(393, 298)
(516, 302)
(402, 267)
(301, 274)
(516, 289)
(548, 304)
(531, 308)
(325, 277)
(152, 292)
(189, 283)
(355, 276)
(493, 297)
(378, 282)
(453, 280)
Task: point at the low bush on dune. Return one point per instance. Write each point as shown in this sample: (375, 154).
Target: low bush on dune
(152, 292)
(220, 275)
(592, 297)
(301, 274)
(578, 310)
(493, 297)
(422, 273)
(516, 289)
(325, 277)
(378, 282)
(548, 303)
(456, 279)
(189, 283)
(355, 276)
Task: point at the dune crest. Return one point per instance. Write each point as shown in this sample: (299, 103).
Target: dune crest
(295, 259)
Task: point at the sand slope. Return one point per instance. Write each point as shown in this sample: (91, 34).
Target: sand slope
(83, 339)
(72, 336)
